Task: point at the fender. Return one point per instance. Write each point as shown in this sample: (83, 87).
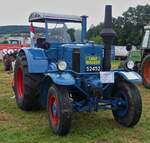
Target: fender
(131, 76)
(62, 78)
(37, 60)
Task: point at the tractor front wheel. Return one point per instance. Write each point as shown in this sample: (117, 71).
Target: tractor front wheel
(59, 109)
(145, 71)
(129, 105)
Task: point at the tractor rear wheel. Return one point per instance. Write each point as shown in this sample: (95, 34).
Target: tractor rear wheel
(26, 85)
(145, 71)
(129, 108)
(59, 109)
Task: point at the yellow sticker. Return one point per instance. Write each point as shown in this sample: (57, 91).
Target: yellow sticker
(92, 60)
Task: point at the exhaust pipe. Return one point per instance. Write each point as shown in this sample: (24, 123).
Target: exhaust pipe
(107, 34)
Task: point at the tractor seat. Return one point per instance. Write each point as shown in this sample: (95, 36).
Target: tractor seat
(41, 43)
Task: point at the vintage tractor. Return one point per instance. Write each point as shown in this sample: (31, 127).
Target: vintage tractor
(67, 77)
(139, 60)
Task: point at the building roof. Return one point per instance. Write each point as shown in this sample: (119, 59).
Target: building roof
(42, 17)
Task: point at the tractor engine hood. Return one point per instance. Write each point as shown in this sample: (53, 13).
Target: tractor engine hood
(82, 57)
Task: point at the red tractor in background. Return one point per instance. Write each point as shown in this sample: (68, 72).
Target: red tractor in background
(10, 50)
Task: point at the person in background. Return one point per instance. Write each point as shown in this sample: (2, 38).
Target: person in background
(13, 60)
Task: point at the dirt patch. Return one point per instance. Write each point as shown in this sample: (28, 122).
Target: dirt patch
(5, 117)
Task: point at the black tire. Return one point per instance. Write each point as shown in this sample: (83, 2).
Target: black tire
(26, 85)
(137, 67)
(129, 114)
(145, 71)
(61, 121)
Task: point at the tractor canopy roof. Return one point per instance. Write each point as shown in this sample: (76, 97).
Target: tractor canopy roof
(53, 18)
(146, 38)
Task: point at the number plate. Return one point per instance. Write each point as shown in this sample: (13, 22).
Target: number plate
(93, 68)
(92, 64)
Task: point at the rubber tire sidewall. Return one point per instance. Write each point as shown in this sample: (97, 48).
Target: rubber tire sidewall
(30, 100)
(134, 110)
(65, 110)
(19, 99)
(147, 58)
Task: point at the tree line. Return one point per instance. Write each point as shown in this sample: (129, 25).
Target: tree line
(129, 26)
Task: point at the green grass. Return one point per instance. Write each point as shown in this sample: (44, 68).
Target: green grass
(17, 126)
(115, 64)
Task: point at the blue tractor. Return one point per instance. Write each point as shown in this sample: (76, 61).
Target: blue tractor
(65, 76)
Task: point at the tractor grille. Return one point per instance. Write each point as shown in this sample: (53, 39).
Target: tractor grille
(76, 60)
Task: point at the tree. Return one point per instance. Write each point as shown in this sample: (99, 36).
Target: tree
(97, 39)
(94, 33)
(129, 27)
(132, 25)
(4, 42)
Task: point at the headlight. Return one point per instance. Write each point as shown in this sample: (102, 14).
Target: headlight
(62, 65)
(130, 65)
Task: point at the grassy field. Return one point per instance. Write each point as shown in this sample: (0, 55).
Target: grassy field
(17, 126)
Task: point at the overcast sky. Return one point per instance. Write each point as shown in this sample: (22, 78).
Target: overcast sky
(17, 11)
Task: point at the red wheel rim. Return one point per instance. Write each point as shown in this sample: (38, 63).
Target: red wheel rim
(147, 72)
(53, 110)
(19, 82)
